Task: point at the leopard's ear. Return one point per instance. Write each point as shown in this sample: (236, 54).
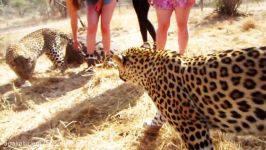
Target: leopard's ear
(118, 59)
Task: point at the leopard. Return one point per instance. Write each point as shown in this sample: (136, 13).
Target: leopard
(22, 56)
(224, 90)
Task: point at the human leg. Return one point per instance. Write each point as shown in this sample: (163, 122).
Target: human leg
(148, 24)
(182, 14)
(163, 17)
(92, 23)
(72, 11)
(139, 9)
(106, 16)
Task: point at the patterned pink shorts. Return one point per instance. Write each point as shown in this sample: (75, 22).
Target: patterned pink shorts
(172, 4)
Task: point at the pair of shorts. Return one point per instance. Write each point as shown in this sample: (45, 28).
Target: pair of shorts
(172, 4)
(93, 2)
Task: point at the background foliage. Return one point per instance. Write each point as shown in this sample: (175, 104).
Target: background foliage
(23, 7)
(42, 7)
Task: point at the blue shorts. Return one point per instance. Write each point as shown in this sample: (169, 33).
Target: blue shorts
(93, 2)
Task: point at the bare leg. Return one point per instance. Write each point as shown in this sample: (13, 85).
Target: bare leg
(92, 21)
(72, 11)
(182, 15)
(163, 17)
(106, 16)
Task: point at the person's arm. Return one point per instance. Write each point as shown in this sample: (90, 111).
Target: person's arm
(151, 2)
(73, 13)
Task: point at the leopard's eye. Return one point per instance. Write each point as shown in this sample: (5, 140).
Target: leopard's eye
(125, 60)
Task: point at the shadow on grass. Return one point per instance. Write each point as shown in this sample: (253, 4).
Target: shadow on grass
(215, 18)
(147, 141)
(42, 89)
(5, 88)
(90, 112)
(53, 87)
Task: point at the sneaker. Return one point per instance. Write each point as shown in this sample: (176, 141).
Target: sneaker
(82, 51)
(92, 59)
(146, 45)
(108, 62)
(82, 54)
(101, 54)
(154, 46)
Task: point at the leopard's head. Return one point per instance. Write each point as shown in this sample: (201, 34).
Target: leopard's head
(133, 65)
(20, 61)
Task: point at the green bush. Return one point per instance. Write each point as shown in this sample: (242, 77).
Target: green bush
(20, 5)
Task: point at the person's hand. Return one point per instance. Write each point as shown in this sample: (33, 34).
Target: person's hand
(75, 45)
(151, 2)
(191, 2)
(99, 5)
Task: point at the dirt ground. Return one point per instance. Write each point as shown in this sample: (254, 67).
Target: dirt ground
(82, 110)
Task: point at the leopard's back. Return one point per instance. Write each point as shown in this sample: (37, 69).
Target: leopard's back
(22, 56)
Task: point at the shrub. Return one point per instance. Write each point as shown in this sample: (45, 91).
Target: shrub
(20, 5)
(228, 7)
(248, 24)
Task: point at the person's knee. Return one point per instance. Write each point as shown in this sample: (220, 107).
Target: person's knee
(182, 26)
(105, 29)
(92, 29)
(163, 27)
(142, 21)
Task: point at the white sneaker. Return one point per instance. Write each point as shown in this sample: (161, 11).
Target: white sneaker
(146, 45)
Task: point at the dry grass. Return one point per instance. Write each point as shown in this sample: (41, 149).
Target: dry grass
(248, 24)
(82, 110)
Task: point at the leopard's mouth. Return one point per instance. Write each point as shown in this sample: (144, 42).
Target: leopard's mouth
(122, 78)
